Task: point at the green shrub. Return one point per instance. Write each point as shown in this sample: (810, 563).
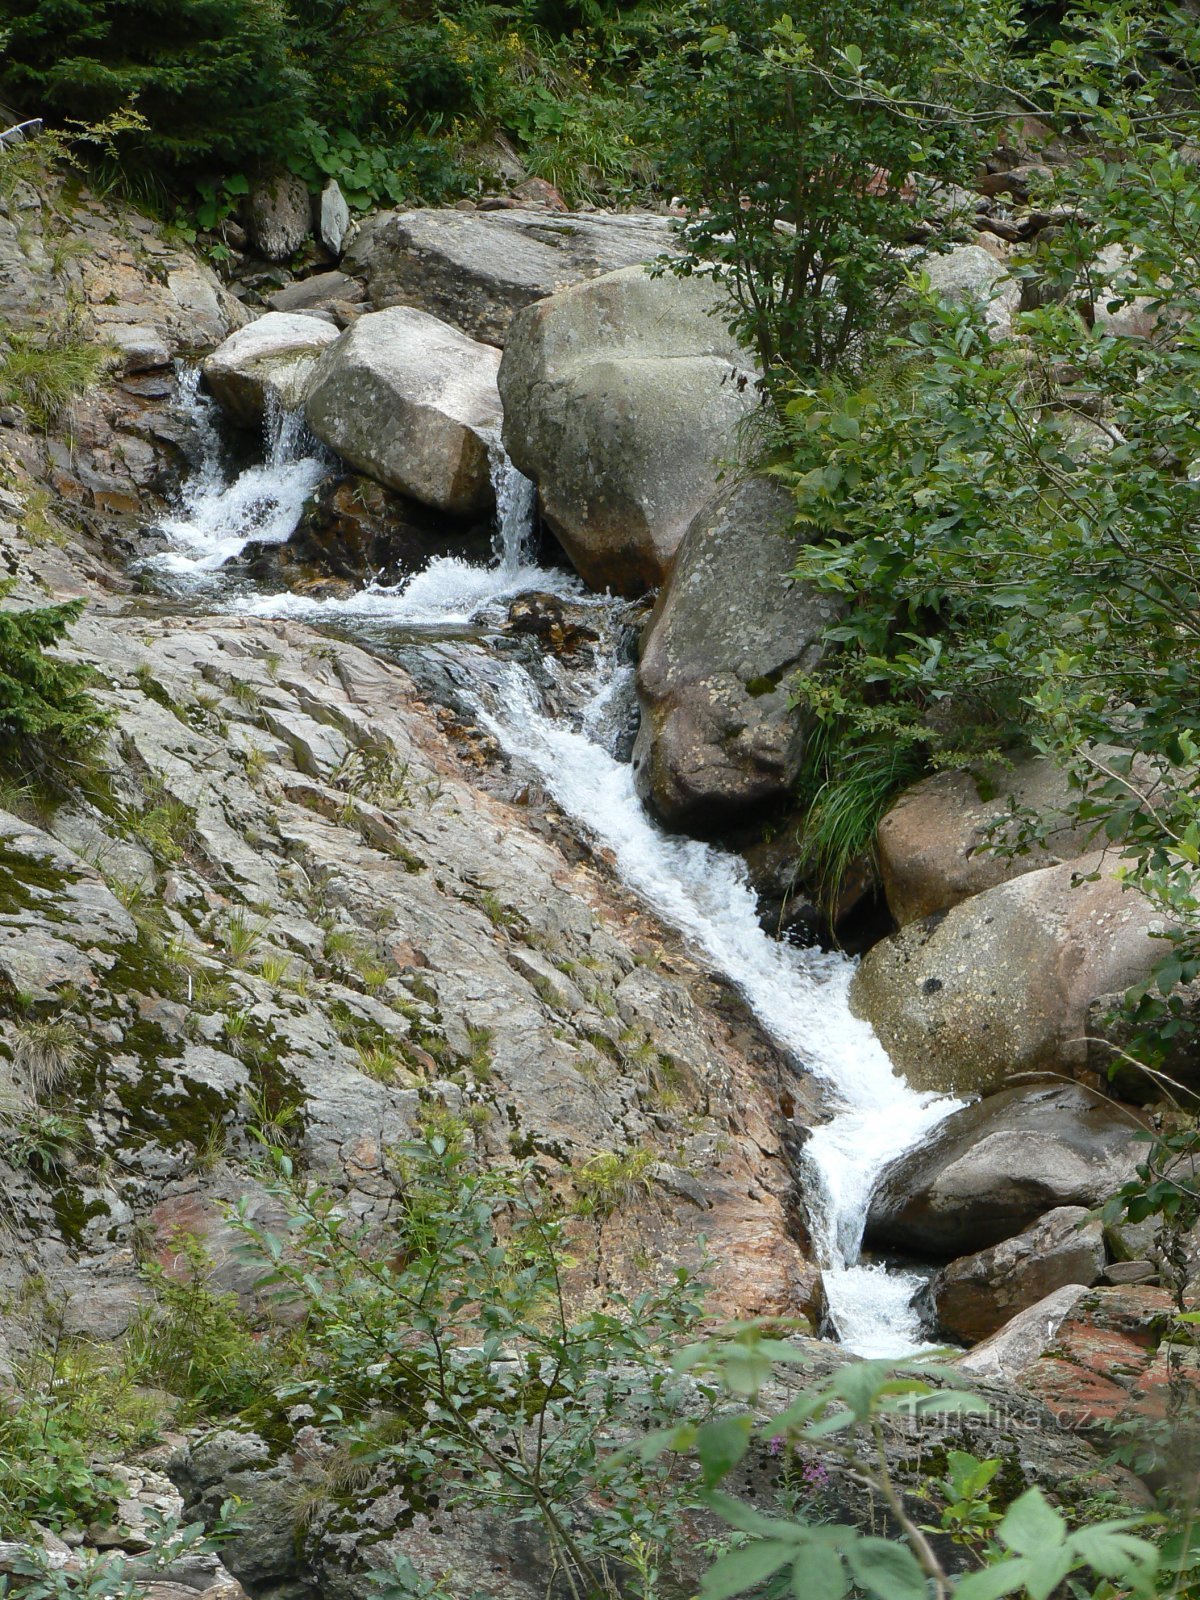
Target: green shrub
(790, 130)
(194, 1341)
(439, 1349)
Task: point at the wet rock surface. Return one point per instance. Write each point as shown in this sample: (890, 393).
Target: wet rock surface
(268, 362)
(995, 1167)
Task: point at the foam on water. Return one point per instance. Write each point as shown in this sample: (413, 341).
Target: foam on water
(800, 995)
(219, 515)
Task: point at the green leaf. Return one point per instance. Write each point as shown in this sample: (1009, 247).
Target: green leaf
(1006, 1577)
(1031, 1525)
(886, 1569)
(818, 1574)
(721, 1445)
(742, 1569)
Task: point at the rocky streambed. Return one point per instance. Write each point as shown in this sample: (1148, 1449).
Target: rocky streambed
(374, 843)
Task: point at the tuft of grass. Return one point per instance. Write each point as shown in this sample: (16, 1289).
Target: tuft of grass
(274, 966)
(42, 1141)
(859, 785)
(609, 1181)
(479, 1062)
(240, 938)
(43, 377)
(47, 1052)
(379, 1059)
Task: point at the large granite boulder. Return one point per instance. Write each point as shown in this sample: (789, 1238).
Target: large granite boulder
(477, 269)
(977, 1294)
(936, 844)
(622, 398)
(1003, 982)
(717, 736)
(413, 403)
(995, 1167)
(268, 361)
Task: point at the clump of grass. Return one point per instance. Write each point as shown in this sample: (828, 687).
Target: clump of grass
(274, 966)
(379, 1059)
(43, 1141)
(608, 1181)
(47, 1052)
(240, 938)
(43, 377)
(347, 951)
(166, 828)
(479, 1062)
(858, 786)
(497, 913)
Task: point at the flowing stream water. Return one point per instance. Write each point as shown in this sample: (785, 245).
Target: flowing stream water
(801, 996)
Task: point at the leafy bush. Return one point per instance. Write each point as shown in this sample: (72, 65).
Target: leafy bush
(1030, 1550)
(438, 1347)
(790, 131)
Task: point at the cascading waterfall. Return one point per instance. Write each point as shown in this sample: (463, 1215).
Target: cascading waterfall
(218, 515)
(800, 996)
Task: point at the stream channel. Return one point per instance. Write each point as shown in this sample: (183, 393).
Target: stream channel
(577, 743)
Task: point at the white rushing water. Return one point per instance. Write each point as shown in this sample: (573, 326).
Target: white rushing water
(219, 515)
(449, 591)
(801, 996)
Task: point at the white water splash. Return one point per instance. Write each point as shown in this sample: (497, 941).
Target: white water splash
(219, 516)
(801, 997)
(449, 591)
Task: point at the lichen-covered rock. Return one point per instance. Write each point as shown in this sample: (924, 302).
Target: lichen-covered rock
(268, 362)
(718, 737)
(622, 398)
(279, 215)
(993, 1168)
(937, 844)
(477, 269)
(1003, 982)
(413, 403)
(978, 1294)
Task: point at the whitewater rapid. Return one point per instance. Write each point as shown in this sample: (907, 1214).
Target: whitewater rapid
(800, 996)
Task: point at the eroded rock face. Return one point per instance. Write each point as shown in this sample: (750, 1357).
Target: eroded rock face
(995, 1167)
(936, 844)
(413, 403)
(268, 361)
(476, 270)
(1002, 983)
(976, 1295)
(301, 788)
(717, 737)
(621, 400)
